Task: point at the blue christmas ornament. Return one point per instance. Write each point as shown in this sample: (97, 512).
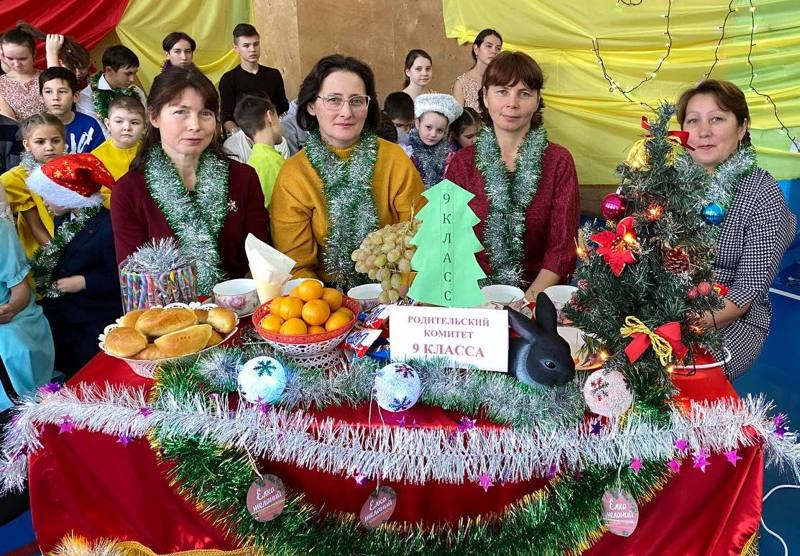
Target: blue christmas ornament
(262, 380)
(713, 214)
(397, 387)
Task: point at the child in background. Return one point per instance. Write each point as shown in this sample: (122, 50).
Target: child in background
(259, 120)
(428, 140)
(125, 124)
(10, 143)
(419, 72)
(400, 108)
(26, 345)
(239, 145)
(76, 273)
(464, 131)
(386, 129)
(59, 89)
(43, 140)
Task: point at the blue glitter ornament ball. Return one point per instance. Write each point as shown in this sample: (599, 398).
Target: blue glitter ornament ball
(397, 387)
(262, 380)
(713, 214)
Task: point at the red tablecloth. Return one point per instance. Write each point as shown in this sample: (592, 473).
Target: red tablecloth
(92, 485)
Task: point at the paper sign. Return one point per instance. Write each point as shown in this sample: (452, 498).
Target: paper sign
(379, 507)
(266, 498)
(477, 337)
(620, 512)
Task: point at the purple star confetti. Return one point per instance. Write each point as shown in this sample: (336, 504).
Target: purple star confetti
(145, 411)
(636, 465)
(485, 481)
(49, 388)
(780, 431)
(779, 420)
(360, 478)
(674, 466)
(401, 422)
(681, 445)
(264, 408)
(596, 428)
(732, 456)
(124, 439)
(466, 424)
(551, 472)
(66, 425)
(701, 461)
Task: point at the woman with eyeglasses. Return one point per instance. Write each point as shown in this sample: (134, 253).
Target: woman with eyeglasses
(346, 182)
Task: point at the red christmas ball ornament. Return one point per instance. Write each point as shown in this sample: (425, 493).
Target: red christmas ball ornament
(613, 206)
(692, 293)
(704, 288)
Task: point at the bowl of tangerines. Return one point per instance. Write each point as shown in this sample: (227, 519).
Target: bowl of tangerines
(310, 320)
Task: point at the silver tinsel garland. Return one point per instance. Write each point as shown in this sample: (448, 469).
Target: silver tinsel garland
(159, 256)
(727, 176)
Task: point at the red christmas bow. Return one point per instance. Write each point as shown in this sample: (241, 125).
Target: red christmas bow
(668, 334)
(681, 136)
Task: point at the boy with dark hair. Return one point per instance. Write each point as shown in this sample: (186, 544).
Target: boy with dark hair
(249, 76)
(400, 109)
(10, 143)
(120, 65)
(59, 89)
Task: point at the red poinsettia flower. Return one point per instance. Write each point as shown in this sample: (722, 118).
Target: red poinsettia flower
(618, 248)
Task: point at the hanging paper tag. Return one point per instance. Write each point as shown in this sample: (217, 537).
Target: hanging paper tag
(379, 507)
(266, 498)
(620, 512)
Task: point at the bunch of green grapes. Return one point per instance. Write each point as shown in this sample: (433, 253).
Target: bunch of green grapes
(385, 256)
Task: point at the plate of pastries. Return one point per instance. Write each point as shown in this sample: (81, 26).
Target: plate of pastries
(146, 337)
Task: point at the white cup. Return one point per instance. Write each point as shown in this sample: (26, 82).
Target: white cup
(500, 296)
(560, 296)
(366, 295)
(239, 295)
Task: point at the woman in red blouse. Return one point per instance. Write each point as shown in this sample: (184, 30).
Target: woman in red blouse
(181, 184)
(526, 188)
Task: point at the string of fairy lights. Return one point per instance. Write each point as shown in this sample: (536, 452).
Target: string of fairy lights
(615, 86)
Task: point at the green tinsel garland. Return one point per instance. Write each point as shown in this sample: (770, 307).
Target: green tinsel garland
(504, 226)
(102, 97)
(46, 257)
(352, 213)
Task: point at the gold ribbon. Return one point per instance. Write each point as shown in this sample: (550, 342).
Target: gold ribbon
(661, 347)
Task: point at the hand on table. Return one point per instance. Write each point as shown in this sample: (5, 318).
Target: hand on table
(71, 284)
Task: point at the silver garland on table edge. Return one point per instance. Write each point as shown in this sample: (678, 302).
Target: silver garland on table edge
(352, 213)
(504, 226)
(46, 257)
(157, 257)
(195, 219)
(408, 454)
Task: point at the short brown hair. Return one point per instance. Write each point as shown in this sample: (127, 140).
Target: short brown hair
(251, 112)
(729, 97)
(508, 69)
(43, 118)
(124, 102)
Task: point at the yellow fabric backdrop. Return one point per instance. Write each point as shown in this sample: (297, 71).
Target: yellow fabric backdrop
(145, 23)
(598, 125)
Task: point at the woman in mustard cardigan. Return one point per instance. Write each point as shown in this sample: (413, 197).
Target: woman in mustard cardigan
(346, 182)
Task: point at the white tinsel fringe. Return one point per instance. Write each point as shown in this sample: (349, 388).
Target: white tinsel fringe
(414, 455)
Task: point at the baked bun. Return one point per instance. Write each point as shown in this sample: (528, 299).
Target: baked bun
(158, 322)
(202, 315)
(223, 320)
(185, 341)
(129, 320)
(150, 353)
(215, 339)
(125, 342)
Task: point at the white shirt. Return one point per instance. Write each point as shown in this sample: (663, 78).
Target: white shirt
(238, 146)
(86, 104)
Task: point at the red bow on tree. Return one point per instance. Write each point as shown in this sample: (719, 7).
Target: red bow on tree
(681, 136)
(665, 340)
(617, 248)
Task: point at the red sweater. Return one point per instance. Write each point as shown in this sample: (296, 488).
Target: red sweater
(551, 221)
(137, 219)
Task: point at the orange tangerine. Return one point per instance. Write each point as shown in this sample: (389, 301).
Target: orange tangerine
(346, 311)
(294, 327)
(272, 323)
(275, 305)
(314, 329)
(291, 308)
(332, 297)
(308, 290)
(316, 311)
(338, 319)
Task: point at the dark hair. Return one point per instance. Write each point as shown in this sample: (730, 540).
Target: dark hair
(73, 55)
(482, 37)
(411, 57)
(312, 84)
(399, 106)
(176, 36)
(386, 129)
(30, 123)
(508, 69)
(244, 30)
(57, 72)
(250, 113)
(119, 56)
(467, 118)
(729, 97)
(124, 102)
(167, 86)
(23, 35)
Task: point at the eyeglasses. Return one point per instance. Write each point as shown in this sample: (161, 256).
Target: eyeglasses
(334, 103)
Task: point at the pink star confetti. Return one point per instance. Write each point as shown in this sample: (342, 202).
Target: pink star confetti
(701, 461)
(360, 478)
(732, 456)
(124, 439)
(674, 465)
(401, 422)
(66, 425)
(485, 481)
(145, 411)
(636, 465)
(466, 424)
(681, 445)
(264, 408)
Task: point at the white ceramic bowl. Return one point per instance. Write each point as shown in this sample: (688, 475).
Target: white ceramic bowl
(238, 295)
(366, 294)
(499, 296)
(292, 284)
(574, 337)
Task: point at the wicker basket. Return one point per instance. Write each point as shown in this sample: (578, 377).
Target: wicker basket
(305, 347)
(147, 367)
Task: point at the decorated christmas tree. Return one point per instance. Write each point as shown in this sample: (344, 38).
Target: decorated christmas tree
(647, 278)
(447, 271)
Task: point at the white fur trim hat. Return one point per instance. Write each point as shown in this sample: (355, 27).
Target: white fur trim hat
(443, 104)
(71, 181)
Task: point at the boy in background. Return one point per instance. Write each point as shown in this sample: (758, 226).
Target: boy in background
(259, 120)
(59, 89)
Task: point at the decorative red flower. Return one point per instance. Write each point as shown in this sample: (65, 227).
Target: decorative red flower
(618, 248)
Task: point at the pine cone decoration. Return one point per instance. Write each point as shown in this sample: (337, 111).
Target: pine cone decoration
(676, 259)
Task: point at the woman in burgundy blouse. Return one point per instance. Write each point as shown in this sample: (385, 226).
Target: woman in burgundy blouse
(181, 185)
(526, 188)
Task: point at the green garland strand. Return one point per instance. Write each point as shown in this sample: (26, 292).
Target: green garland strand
(352, 213)
(102, 97)
(504, 226)
(46, 257)
(196, 218)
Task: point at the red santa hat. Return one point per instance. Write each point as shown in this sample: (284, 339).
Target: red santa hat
(71, 181)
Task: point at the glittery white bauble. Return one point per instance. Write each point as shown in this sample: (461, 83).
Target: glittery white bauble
(262, 380)
(397, 387)
(607, 393)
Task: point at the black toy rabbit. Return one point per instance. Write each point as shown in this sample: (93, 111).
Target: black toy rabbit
(539, 357)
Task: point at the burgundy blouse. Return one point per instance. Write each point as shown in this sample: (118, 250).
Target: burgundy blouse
(551, 221)
(137, 219)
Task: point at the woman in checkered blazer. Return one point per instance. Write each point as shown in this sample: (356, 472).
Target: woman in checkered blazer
(756, 227)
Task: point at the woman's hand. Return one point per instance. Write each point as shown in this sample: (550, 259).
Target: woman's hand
(544, 280)
(20, 296)
(71, 284)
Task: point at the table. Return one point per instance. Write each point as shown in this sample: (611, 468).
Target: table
(92, 485)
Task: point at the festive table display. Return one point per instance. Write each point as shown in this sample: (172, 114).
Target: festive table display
(574, 454)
